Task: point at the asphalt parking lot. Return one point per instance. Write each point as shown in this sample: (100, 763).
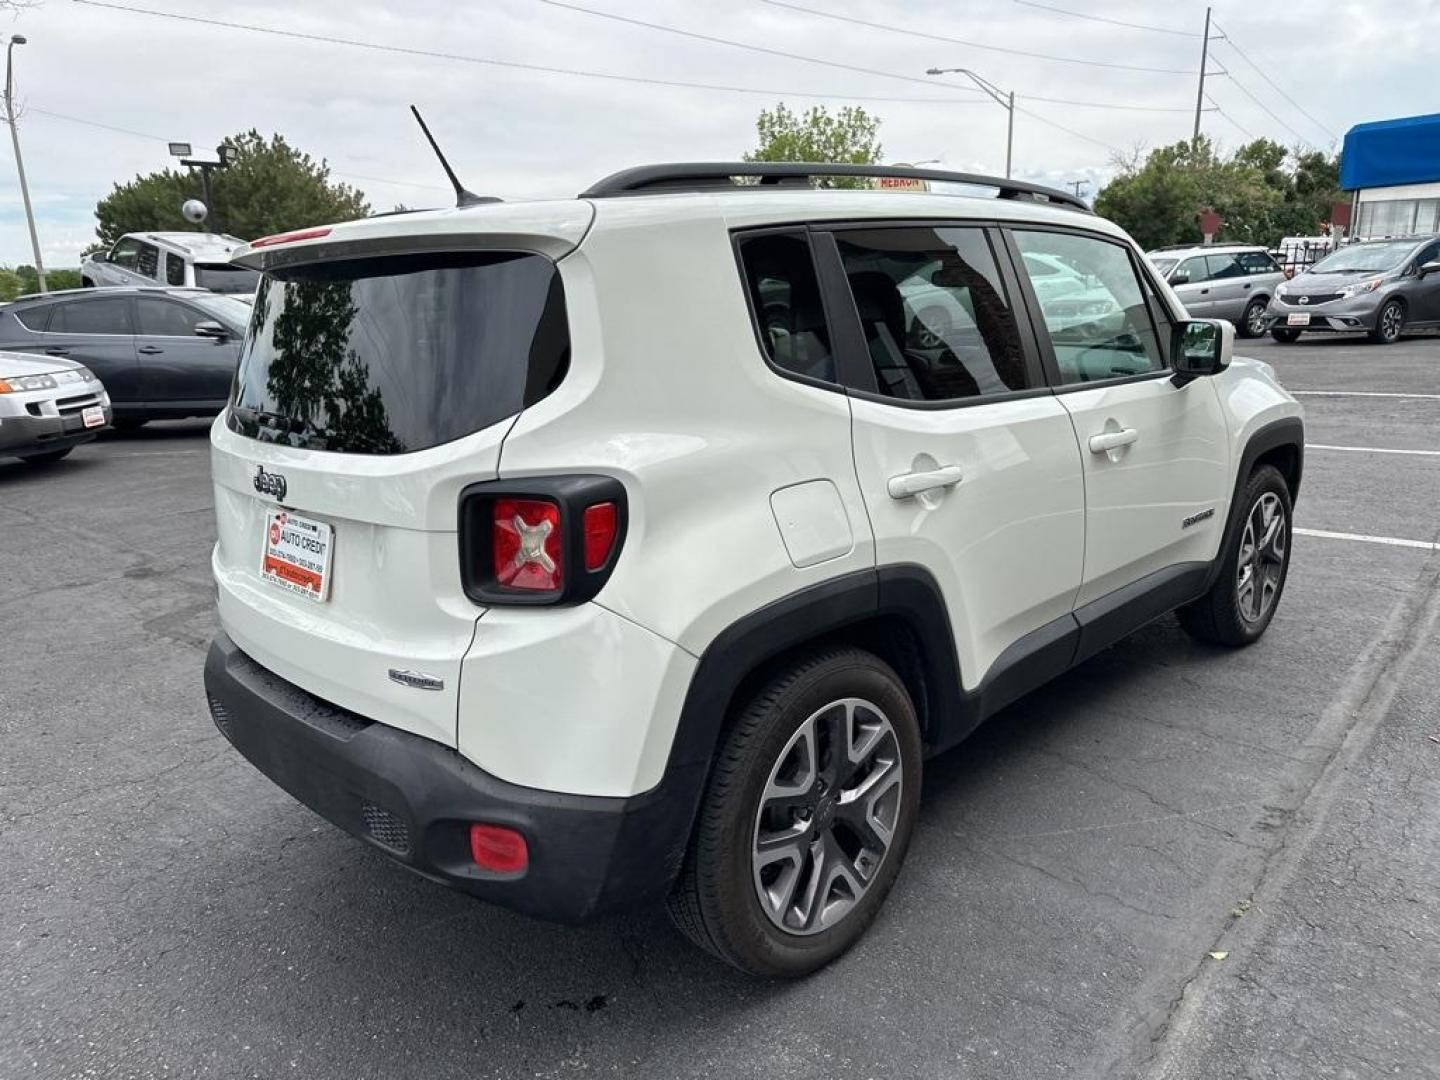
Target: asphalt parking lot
(1175, 862)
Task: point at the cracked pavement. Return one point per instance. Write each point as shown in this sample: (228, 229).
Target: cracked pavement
(166, 911)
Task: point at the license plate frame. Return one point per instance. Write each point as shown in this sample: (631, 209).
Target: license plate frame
(1298, 318)
(296, 553)
(93, 416)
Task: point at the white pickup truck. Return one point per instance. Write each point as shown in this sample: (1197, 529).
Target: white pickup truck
(190, 259)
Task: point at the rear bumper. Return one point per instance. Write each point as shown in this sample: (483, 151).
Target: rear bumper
(414, 799)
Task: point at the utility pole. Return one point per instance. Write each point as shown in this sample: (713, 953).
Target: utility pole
(19, 39)
(1000, 97)
(1077, 186)
(1204, 60)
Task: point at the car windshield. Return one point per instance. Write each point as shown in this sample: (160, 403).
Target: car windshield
(1361, 257)
(226, 279)
(1164, 265)
(233, 313)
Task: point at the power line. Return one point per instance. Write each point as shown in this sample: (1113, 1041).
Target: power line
(1267, 110)
(1273, 85)
(432, 54)
(159, 138)
(963, 41)
(1068, 131)
(1112, 22)
(694, 35)
(1234, 123)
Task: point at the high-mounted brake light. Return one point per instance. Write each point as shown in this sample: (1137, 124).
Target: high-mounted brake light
(291, 237)
(528, 546)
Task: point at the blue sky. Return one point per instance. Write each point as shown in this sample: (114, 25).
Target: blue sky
(517, 133)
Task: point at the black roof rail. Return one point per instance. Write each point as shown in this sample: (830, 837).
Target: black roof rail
(719, 175)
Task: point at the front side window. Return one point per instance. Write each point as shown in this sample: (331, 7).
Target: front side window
(391, 354)
(1191, 271)
(165, 318)
(97, 316)
(933, 310)
(785, 296)
(1101, 328)
(123, 254)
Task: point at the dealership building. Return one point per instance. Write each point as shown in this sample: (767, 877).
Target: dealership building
(1392, 169)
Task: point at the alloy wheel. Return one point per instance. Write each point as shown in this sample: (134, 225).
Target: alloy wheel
(1255, 320)
(827, 816)
(1391, 320)
(1261, 563)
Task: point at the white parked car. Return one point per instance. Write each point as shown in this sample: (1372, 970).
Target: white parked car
(633, 549)
(48, 406)
(183, 259)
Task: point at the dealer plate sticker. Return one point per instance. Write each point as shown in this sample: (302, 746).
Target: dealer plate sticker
(1298, 319)
(295, 554)
(94, 416)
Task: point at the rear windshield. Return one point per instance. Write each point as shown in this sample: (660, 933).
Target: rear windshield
(393, 354)
(226, 279)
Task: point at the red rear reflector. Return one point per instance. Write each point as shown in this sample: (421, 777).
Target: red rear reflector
(496, 848)
(527, 546)
(291, 237)
(601, 522)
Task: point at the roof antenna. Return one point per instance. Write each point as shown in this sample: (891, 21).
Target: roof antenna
(463, 197)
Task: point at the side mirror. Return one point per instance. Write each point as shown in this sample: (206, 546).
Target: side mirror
(1201, 347)
(1180, 279)
(99, 256)
(1432, 267)
(211, 329)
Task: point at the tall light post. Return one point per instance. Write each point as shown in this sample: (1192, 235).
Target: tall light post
(10, 118)
(1005, 99)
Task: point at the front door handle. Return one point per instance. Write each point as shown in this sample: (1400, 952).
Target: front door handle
(149, 350)
(907, 485)
(56, 351)
(1112, 440)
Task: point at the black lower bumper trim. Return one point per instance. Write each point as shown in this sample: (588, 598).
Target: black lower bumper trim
(415, 799)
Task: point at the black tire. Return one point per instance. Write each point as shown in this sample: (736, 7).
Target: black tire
(129, 423)
(1252, 322)
(1285, 336)
(716, 900)
(1389, 323)
(1224, 616)
(47, 458)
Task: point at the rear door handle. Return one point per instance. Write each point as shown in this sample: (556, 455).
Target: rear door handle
(57, 351)
(907, 485)
(1112, 440)
(149, 350)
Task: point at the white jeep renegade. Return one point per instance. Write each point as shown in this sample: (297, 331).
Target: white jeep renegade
(640, 547)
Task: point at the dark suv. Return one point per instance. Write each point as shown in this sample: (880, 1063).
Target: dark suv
(161, 353)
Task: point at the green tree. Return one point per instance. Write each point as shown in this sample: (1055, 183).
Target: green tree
(271, 187)
(11, 285)
(23, 279)
(848, 136)
(1261, 192)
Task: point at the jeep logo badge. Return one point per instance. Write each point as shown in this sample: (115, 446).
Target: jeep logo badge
(270, 483)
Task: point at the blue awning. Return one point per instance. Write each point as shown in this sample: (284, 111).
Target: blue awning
(1389, 152)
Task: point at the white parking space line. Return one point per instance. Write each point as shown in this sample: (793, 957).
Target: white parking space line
(1364, 393)
(1390, 541)
(1372, 450)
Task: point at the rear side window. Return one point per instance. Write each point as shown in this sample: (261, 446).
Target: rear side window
(174, 270)
(147, 261)
(98, 316)
(933, 311)
(400, 353)
(1257, 262)
(1224, 266)
(785, 297)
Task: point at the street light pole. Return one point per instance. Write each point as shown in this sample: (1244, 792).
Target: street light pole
(10, 118)
(1006, 100)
